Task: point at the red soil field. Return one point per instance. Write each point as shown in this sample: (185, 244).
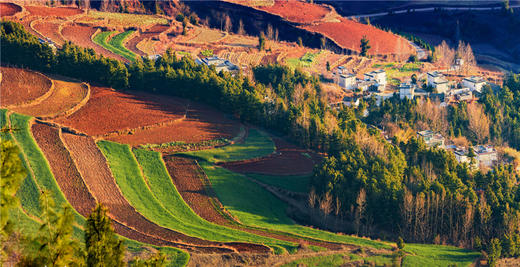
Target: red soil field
(80, 35)
(53, 11)
(111, 111)
(63, 167)
(98, 178)
(50, 29)
(154, 31)
(348, 34)
(9, 9)
(297, 11)
(21, 86)
(288, 160)
(202, 123)
(64, 99)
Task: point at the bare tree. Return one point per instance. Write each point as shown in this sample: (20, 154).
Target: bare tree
(326, 206)
(241, 29)
(465, 53)
(276, 35)
(360, 209)
(444, 54)
(227, 24)
(478, 122)
(433, 114)
(269, 32)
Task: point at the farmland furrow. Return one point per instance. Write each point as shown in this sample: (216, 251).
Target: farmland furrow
(23, 87)
(81, 35)
(49, 29)
(97, 176)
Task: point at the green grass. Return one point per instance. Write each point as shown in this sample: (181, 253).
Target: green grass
(164, 205)
(254, 206)
(436, 255)
(115, 44)
(339, 260)
(296, 183)
(306, 61)
(257, 144)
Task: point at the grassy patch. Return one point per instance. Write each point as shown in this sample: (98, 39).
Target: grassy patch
(257, 144)
(436, 255)
(306, 61)
(181, 145)
(254, 206)
(164, 205)
(115, 45)
(296, 183)
(124, 19)
(340, 259)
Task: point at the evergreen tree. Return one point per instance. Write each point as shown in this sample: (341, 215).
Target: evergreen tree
(156, 260)
(365, 46)
(261, 41)
(103, 246)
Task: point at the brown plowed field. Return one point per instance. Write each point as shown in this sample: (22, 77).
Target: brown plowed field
(53, 11)
(186, 176)
(348, 34)
(80, 35)
(202, 123)
(297, 11)
(63, 168)
(65, 96)
(50, 29)
(97, 176)
(9, 9)
(111, 111)
(21, 86)
(288, 160)
(154, 31)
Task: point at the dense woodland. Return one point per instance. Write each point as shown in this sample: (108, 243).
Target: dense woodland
(400, 188)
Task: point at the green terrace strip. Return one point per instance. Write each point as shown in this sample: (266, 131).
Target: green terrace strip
(254, 206)
(295, 183)
(115, 45)
(158, 200)
(437, 255)
(336, 260)
(37, 163)
(257, 144)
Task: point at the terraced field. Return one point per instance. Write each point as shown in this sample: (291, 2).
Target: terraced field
(116, 43)
(50, 29)
(22, 87)
(81, 35)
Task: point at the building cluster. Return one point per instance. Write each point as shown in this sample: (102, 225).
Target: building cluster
(219, 63)
(373, 81)
(482, 155)
(444, 89)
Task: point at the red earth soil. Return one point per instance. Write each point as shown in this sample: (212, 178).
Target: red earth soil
(81, 34)
(98, 178)
(21, 86)
(202, 123)
(63, 167)
(297, 11)
(186, 176)
(111, 111)
(9, 9)
(348, 34)
(154, 31)
(53, 11)
(288, 160)
(50, 29)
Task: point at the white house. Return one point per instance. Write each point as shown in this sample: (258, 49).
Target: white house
(474, 83)
(219, 63)
(406, 90)
(380, 97)
(363, 85)
(431, 138)
(351, 101)
(486, 155)
(379, 76)
(347, 81)
(437, 81)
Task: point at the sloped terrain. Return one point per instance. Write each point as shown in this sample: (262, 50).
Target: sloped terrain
(21, 87)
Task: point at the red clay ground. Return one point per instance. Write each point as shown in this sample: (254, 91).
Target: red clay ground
(289, 160)
(297, 11)
(348, 34)
(186, 176)
(98, 178)
(21, 86)
(50, 29)
(9, 9)
(81, 34)
(53, 11)
(111, 111)
(154, 31)
(201, 124)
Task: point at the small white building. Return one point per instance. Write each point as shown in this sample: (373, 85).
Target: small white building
(364, 86)
(486, 155)
(351, 101)
(379, 76)
(347, 81)
(380, 97)
(431, 138)
(406, 90)
(474, 83)
(437, 81)
(219, 63)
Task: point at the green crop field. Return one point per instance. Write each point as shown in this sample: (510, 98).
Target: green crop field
(306, 61)
(336, 260)
(164, 205)
(115, 45)
(296, 183)
(257, 144)
(254, 206)
(435, 255)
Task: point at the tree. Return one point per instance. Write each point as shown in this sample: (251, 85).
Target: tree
(13, 174)
(300, 41)
(478, 122)
(53, 244)
(156, 260)
(365, 46)
(227, 24)
(241, 29)
(400, 243)
(103, 246)
(261, 41)
(269, 32)
(465, 53)
(414, 78)
(328, 66)
(323, 42)
(494, 251)
(444, 54)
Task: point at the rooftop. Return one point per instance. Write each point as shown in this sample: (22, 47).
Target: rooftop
(475, 79)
